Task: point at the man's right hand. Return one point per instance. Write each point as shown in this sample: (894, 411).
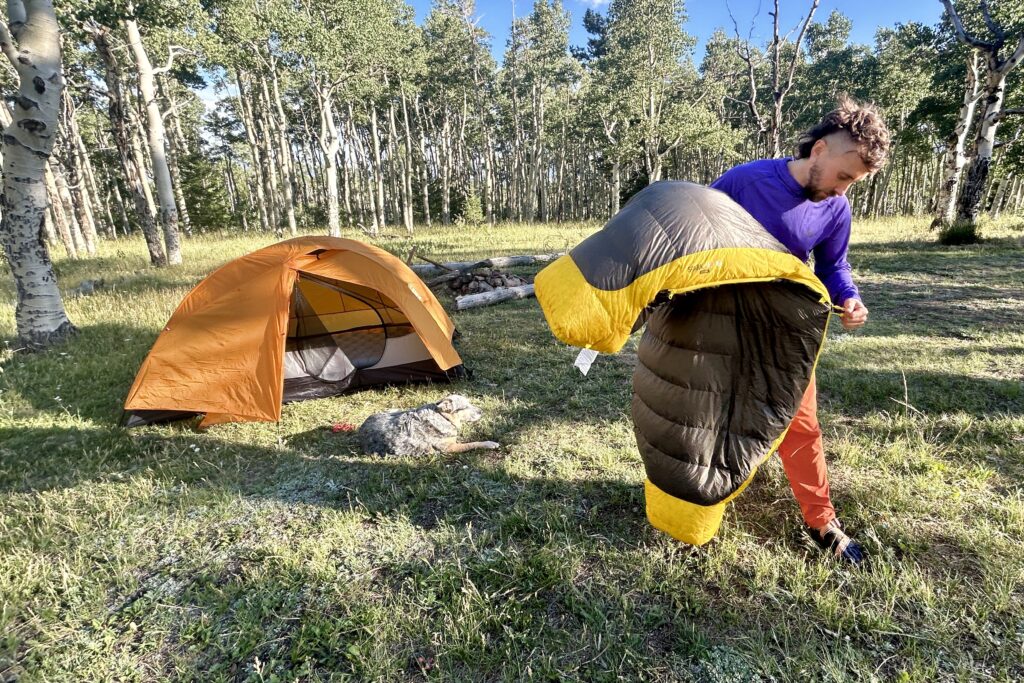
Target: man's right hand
(855, 314)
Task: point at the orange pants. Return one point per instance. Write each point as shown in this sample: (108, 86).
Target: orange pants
(803, 458)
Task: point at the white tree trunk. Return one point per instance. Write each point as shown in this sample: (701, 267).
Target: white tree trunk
(973, 194)
(424, 170)
(60, 220)
(378, 168)
(977, 173)
(76, 186)
(177, 150)
(407, 169)
(284, 146)
(119, 113)
(329, 144)
(997, 203)
(249, 123)
(616, 188)
(64, 196)
(27, 145)
(157, 150)
(261, 100)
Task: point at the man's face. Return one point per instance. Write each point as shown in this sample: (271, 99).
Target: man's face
(835, 165)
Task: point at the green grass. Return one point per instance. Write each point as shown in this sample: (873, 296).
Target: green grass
(279, 551)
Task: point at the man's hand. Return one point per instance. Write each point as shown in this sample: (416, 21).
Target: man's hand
(855, 314)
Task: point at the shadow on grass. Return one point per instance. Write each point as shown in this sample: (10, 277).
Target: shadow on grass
(959, 311)
(222, 591)
(430, 489)
(226, 596)
(921, 287)
(89, 375)
(855, 392)
(933, 246)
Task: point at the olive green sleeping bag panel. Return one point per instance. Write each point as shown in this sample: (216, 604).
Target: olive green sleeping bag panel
(720, 375)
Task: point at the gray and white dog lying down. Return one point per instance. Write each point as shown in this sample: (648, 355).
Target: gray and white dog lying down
(432, 428)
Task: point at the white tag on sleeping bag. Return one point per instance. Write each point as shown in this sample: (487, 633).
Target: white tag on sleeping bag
(585, 359)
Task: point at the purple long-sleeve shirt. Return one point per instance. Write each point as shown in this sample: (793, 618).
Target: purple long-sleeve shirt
(767, 190)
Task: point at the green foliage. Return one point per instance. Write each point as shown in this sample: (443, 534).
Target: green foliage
(630, 100)
(959, 233)
(472, 210)
(309, 216)
(596, 25)
(644, 91)
(205, 194)
(458, 54)
(458, 69)
(902, 72)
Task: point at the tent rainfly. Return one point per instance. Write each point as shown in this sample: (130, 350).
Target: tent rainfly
(305, 318)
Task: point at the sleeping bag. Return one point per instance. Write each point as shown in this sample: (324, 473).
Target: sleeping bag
(735, 324)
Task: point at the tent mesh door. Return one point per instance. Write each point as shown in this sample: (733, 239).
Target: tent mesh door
(333, 355)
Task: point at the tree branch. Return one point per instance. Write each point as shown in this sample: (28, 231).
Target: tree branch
(775, 51)
(171, 110)
(256, 51)
(1009, 112)
(962, 32)
(172, 52)
(992, 26)
(16, 16)
(799, 39)
(7, 45)
(1008, 143)
(746, 55)
(1011, 63)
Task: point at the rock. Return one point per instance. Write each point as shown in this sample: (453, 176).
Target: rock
(486, 287)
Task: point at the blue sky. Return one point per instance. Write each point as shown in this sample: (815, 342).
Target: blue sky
(707, 15)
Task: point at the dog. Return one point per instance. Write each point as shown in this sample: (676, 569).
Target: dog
(431, 428)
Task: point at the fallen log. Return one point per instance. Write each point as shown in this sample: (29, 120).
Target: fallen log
(422, 269)
(493, 297)
(431, 262)
(452, 274)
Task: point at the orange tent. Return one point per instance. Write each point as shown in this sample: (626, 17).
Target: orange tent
(305, 318)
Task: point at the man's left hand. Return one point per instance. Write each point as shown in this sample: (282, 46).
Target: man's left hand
(855, 313)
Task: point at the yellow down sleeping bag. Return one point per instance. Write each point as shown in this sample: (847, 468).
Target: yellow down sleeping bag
(730, 345)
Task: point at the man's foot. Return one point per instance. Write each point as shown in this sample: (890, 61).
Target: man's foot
(832, 539)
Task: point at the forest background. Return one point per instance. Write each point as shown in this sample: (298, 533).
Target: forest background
(351, 115)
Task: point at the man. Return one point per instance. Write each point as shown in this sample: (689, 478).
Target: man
(802, 202)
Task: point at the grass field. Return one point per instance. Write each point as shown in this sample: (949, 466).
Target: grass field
(272, 552)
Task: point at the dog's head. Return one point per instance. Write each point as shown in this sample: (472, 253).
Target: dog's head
(457, 409)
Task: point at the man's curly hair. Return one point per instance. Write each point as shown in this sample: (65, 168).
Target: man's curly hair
(865, 126)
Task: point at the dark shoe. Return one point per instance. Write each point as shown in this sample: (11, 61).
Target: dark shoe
(832, 539)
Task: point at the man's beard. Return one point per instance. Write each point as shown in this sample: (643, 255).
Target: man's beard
(811, 190)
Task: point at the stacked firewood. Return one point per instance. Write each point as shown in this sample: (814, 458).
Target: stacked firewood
(485, 280)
